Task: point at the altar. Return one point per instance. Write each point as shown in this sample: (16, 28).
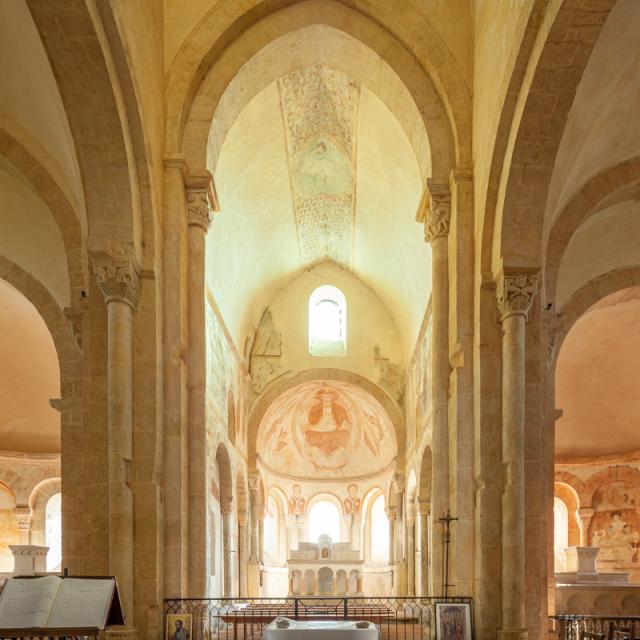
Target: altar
(321, 630)
(325, 568)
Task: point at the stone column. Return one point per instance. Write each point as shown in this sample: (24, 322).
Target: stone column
(391, 515)
(254, 547)
(301, 522)
(118, 280)
(198, 221)
(23, 518)
(410, 521)
(515, 296)
(423, 514)
(585, 514)
(437, 218)
(242, 554)
(226, 510)
(348, 529)
(292, 531)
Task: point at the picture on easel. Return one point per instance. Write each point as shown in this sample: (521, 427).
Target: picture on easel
(453, 621)
(178, 626)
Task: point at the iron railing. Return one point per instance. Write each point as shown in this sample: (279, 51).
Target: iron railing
(571, 626)
(245, 618)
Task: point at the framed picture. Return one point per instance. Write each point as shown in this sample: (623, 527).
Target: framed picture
(453, 621)
(178, 626)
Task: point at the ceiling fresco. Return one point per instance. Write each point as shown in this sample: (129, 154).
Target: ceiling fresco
(326, 429)
(319, 107)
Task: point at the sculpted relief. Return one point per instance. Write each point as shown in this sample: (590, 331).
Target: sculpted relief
(321, 427)
(615, 527)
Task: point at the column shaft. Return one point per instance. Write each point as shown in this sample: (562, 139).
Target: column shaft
(197, 414)
(424, 553)
(439, 391)
(515, 295)
(411, 556)
(513, 458)
(120, 429)
(242, 555)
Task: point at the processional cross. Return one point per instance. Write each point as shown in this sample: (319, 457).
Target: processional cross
(446, 540)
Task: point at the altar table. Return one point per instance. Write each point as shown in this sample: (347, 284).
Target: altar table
(321, 630)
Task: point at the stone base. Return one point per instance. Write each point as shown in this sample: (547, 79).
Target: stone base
(513, 634)
(121, 633)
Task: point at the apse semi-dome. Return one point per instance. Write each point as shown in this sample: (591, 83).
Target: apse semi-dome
(326, 429)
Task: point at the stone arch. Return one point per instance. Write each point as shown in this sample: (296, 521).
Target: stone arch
(38, 502)
(282, 384)
(603, 190)
(90, 65)
(584, 298)
(541, 109)
(37, 171)
(59, 326)
(611, 474)
(571, 480)
(216, 49)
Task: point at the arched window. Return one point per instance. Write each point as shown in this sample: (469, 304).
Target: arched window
(271, 540)
(327, 322)
(560, 533)
(53, 531)
(324, 518)
(379, 531)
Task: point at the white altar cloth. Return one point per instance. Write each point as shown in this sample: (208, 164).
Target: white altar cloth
(321, 630)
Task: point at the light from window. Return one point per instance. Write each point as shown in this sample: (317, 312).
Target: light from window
(271, 531)
(560, 533)
(327, 322)
(324, 519)
(379, 531)
(53, 531)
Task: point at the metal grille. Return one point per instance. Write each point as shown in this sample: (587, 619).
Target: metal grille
(571, 626)
(246, 618)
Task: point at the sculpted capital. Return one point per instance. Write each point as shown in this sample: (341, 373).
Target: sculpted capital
(117, 279)
(199, 211)
(516, 293)
(438, 214)
(226, 506)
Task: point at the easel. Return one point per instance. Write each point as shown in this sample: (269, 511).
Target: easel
(446, 540)
(114, 617)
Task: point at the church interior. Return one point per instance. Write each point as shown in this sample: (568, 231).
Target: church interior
(292, 291)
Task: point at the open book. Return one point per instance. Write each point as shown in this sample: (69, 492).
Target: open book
(57, 603)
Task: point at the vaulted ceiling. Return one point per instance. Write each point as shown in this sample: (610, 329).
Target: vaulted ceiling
(318, 167)
(29, 377)
(597, 384)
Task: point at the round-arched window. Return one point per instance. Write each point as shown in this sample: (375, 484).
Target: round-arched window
(324, 519)
(53, 531)
(327, 322)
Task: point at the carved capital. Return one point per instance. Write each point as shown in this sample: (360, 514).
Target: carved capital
(117, 279)
(516, 293)
(226, 507)
(198, 209)
(243, 519)
(424, 508)
(391, 513)
(438, 213)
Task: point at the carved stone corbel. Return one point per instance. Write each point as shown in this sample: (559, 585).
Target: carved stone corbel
(117, 279)
(438, 214)
(199, 210)
(515, 294)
